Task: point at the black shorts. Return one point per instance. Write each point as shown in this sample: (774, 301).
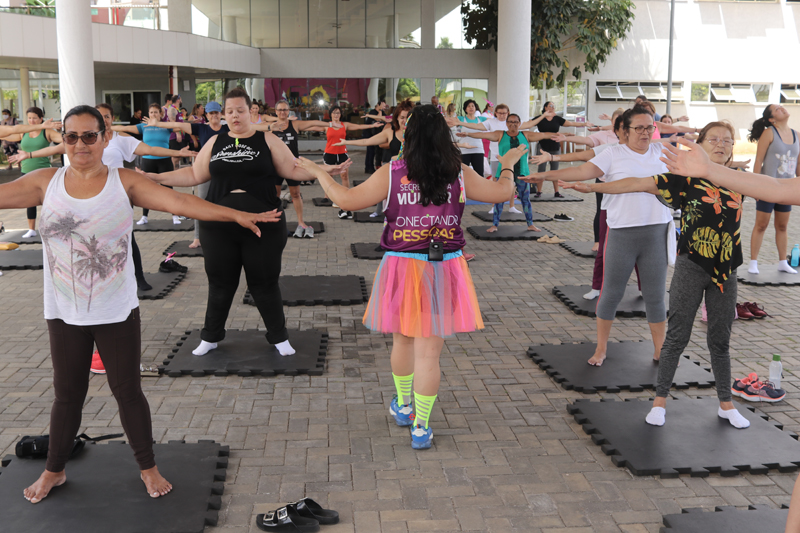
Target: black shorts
(334, 159)
(291, 183)
(768, 207)
(157, 166)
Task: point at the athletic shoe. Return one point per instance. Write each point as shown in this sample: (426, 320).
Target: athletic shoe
(491, 211)
(756, 310)
(591, 295)
(373, 215)
(28, 234)
(515, 211)
(739, 385)
(97, 364)
(558, 195)
(421, 438)
(743, 313)
(176, 219)
(334, 205)
(298, 233)
(468, 257)
(309, 233)
(561, 217)
(170, 265)
(763, 392)
(343, 214)
(403, 415)
(142, 221)
(537, 195)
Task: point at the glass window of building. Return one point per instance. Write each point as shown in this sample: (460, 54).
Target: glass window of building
(294, 24)
(236, 21)
(449, 24)
(407, 22)
(380, 23)
(265, 23)
(206, 18)
(351, 30)
(322, 24)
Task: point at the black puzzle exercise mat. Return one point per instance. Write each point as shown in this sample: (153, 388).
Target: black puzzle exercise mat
(507, 233)
(165, 224)
(694, 440)
(247, 353)
(632, 303)
(103, 491)
(20, 259)
(550, 197)
(580, 248)
(319, 227)
(727, 519)
(15, 236)
(768, 275)
(162, 283)
(181, 249)
(320, 290)
(367, 250)
(628, 366)
(322, 202)
(364, 216)
(505, 216)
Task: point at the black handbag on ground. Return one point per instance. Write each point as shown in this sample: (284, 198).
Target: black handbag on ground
(35, 447)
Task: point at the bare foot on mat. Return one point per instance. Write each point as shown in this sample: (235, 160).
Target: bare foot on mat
(156, 485)
(39, 490)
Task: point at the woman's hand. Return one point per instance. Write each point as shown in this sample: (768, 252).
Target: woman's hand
(19, 157)
(451, 121)
(49, 124)
(692, 162)
(341, 143)
(605, 116)
(510, 158)
(278, 126)
(335, 170)
(308, 165)
(187, 152)
(152, 122)
(462, 134)
(559, 138)
(249, 220)
(544, 157)
(733, 164)
(579, 186)
(149, 175)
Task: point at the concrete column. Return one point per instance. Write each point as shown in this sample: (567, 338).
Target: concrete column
(75, 54)
(229, 29)
(513, 55)
(174, 84)
(427, 19)
(180, 15)
(372, 92)
(24, 92)
(426, 89)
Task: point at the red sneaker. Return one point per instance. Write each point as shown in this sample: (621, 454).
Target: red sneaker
(468, 257)
(743, 313)
(97, 364)
(756, 310)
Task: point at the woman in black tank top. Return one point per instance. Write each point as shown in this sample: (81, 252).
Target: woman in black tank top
(242, 166)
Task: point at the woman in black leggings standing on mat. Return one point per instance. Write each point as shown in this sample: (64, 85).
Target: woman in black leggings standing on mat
(242, 165)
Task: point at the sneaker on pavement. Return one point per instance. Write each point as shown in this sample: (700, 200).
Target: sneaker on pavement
(298, 233)
(743, 313)
(142, 221)
(421, 438)
(763, 391)
(97, 364)
(28, 234)
(561, 217)
(176, 219)
(515, 211)
(558, 195)
(373, 215)
(342, 213)
(170, 265)
(468, 257)
(537, 195)
(755, 309)
(491, 211)
(309, 232)
(403, 414)
(739, 385)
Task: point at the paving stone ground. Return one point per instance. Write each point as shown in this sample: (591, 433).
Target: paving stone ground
(506, 455)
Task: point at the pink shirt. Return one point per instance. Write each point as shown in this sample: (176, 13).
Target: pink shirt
(604, 137)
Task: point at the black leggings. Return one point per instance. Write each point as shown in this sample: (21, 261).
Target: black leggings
(120, 348)
(475, 161)
(137, 259)
(157, 166)
(598, 196)
(227, 248)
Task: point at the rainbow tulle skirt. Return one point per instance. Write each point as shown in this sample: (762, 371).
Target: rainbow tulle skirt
(420, 298)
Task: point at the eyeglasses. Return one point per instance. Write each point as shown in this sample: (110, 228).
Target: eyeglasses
(501, 112)
(641, 129)
(512, 122)
(282, 110)
(715, 141)
(90, 137)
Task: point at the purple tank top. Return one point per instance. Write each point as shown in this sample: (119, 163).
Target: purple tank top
(409, 226)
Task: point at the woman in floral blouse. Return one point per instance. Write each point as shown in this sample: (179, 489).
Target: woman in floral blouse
(709, 251)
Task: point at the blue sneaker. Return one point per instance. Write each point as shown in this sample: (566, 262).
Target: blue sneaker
(421, 438)
(404, 416)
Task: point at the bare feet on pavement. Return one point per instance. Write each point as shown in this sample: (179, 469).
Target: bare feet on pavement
(533, 228)
(156, 485)
(492, 229)
(39, 490)
(195, 244)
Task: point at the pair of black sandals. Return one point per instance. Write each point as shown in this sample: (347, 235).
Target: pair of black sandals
(304, 516)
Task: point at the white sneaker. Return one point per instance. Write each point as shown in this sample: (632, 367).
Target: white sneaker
(142, 220)
(28, 234)
(491, 211)
(515, 211)
(176, 219)
(591, 295)
(373, 215)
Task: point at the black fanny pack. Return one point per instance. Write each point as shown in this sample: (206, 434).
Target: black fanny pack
(35, 447)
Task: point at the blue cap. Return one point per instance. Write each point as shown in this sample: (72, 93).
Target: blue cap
(212, 107)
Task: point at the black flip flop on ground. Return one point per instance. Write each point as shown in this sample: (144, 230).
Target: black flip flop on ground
(247, 353)
(286, 520)
(104, 493)
(694, 440)
(628, 366)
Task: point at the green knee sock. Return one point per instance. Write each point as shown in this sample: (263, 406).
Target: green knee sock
(403, 386)
(422, 408)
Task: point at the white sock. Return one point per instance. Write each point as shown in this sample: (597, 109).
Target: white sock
(32, 233)
(734, 417)
(285, 348)
(204, 348)
(657, 416)
(591, 295)
(753, 266)
(783, 266)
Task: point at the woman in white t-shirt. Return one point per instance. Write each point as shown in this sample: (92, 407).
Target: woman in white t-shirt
(638, 223)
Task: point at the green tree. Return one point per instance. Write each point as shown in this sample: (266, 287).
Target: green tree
(444, 43)
(558, 27)
(406, 88)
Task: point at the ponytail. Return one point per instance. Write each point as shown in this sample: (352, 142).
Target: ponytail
(760, 125)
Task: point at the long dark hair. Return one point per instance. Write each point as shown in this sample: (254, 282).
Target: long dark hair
(80, 110)
(432, 159)
(760, 125)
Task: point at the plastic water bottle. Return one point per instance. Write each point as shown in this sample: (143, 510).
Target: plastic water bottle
(775, 371)
(796, 255)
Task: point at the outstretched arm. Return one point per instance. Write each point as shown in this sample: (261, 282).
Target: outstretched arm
(614, 187)
(20, 129)
(146, 149)
(573, 124)
(494, 191)
(20, 156)
(186, 176)
(185, 127)
(27, 191)
(674, 128)
(536, 136)
(490, 135)
(382, 137)
(304, 125)
(544, 157)
(587, 171)
(453, 121)
(125, 129)
(375, 189)
(588, 141)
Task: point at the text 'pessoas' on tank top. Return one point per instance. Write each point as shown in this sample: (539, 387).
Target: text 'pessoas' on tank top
(410, 226)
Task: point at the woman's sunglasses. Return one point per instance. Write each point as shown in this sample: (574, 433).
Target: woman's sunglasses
(90, 137)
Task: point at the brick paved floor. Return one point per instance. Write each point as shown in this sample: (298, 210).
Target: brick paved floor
(507, 456)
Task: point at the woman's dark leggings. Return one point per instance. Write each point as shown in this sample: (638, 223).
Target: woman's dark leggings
(120, 348)
(227, 247)
(475, 161)
(157, 166)
(137, 259)
(598, 196)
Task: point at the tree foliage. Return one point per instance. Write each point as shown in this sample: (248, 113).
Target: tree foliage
(591, 27)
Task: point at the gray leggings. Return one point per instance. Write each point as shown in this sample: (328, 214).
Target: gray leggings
(645, 246)
(201, 191)
(689, 284)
